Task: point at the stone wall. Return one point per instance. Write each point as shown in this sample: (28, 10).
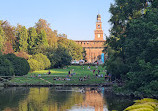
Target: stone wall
(93, 49)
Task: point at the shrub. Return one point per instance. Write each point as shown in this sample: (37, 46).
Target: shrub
(6, 68)
(34, 65)
(20, 65)
(40, 61)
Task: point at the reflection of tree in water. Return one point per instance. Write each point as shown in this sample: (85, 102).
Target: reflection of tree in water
(49, 99)
(45, 99)
(65, 99)
(93, 99)
(10, 97)
(117, 102)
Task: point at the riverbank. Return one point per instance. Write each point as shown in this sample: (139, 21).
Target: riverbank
(50, 85)
(68, 76)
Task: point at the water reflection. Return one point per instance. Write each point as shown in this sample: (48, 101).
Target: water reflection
(53, 99)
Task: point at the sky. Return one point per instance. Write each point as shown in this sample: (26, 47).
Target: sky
(75, 18)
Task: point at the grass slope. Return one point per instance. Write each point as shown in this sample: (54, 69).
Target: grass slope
(60, 74)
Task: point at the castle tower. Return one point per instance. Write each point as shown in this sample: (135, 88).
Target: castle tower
(98, 32)
(94, 47)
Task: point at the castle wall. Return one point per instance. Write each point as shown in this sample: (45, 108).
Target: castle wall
(93, 49)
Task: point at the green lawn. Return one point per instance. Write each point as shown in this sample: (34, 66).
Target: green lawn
(61, 74)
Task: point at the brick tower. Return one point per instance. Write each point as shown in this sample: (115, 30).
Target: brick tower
(98, 32)
(94, 47)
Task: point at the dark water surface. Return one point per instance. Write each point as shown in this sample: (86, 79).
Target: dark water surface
(61, 99)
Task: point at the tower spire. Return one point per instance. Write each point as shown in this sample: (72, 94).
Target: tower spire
(98, 32)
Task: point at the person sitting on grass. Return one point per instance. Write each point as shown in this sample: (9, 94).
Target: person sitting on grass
(68, 79)
(98, 72)
(54, 78)
(39, 75)
(93, 71)
(49, 72)
(69, 72)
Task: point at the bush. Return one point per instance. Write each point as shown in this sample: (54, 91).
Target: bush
(34, 65)
(20, 65)
(39, 62)
(6, 68)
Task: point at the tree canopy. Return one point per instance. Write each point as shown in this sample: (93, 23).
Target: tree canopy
(38, 40)
(133, 45)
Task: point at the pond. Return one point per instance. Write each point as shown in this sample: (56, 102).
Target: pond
(61, 99)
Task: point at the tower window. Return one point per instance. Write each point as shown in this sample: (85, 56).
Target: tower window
(98, 26)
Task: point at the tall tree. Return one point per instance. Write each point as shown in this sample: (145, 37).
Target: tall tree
(22, 37)
(2, 36)
(42, 40)
(9, 32)
(132, 45)
(32, 39)
(50, 35)
(75, 50)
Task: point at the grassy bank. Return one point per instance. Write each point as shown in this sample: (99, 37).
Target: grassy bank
(79, 76)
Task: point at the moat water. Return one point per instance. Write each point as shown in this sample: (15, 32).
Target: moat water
(61, 99)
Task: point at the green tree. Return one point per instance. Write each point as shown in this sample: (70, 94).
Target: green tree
(20, 65)
(34, 65)
(9, 32)
(84, 54)
(6, 67)
(32, 39)
(50, 35)
(60, 58)
(133, 44)
(40, 62)
(22, 37)
(42, 40)
(74, 50)
(140, 53)
(2, 36)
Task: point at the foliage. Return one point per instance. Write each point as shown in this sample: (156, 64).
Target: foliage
(32, 39)
(22, 37)
(133, 45)
(34, 65)
(20, 65)
(38, 39)
(40, 62)
(84, 54)
(9, 32)
(50, 35)
(22, 54)
(60, 58)
(146, 104)
(42, 40)
(2, 36)
(6, 68)
(8, 48)
(74, 50)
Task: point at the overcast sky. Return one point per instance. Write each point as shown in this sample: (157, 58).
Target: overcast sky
(76, 18)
